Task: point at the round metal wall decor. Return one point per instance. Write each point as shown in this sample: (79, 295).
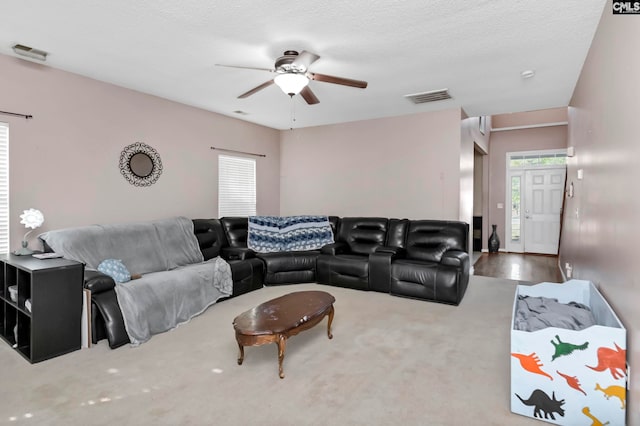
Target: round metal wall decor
(140, 164)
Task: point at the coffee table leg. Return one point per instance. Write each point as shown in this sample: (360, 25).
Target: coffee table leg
(241, 356)
(329, 324)
(282, 345)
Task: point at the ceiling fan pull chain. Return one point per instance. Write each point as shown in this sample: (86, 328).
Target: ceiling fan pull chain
(293, 112)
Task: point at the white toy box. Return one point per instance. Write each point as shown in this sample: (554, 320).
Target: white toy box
(570, 377)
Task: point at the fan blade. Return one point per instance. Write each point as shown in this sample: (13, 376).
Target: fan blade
(305, 59)
(309, 96)
(337, 80)
(256, 89)
(245, 68)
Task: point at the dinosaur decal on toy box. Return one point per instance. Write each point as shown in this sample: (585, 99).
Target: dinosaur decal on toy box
(542, 404)
(563, 348)
(531, 363)
(614, 360)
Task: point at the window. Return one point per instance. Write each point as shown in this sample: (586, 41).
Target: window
(4, 188)
(236, 186)
(515, 208)
(518, 161)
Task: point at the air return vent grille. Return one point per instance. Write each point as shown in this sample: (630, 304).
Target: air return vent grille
(432, 96)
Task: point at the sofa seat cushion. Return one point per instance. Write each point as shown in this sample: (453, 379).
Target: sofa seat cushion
(289, 260)
(414, 271)
(290, 267)
(345, 270)
(414, 279)
(427, 281)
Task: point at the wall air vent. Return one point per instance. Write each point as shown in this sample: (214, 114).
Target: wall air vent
(432, 96)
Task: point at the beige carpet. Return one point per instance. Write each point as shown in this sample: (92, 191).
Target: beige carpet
(392, 361)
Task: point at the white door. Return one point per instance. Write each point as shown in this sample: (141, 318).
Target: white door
(542, 206)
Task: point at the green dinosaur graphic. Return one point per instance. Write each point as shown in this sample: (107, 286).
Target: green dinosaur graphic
(563, 348)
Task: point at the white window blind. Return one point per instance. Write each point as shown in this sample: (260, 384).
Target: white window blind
(4, 188)
(236, 186)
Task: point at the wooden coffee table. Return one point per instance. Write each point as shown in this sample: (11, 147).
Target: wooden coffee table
(280, 318)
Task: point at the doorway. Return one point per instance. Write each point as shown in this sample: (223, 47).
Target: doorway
(535, 191)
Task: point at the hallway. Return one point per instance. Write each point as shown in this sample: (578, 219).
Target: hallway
(521, 267)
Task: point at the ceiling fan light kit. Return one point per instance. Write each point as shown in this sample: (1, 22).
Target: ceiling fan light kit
(293, 76)
(291, 84)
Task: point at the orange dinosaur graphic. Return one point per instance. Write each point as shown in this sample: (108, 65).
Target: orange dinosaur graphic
(596, 422)
(572, 381)
(531, 363)
(617, 391)
(614, 360)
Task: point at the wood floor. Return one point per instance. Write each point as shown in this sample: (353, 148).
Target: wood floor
(520, 267)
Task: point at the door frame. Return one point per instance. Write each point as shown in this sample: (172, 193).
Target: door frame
(509, 245)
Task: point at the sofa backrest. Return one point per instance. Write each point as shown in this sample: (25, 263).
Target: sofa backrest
(334, 221)
(363, 234)
(397, 234)
(429, 239)
(235, 230)
(143, 247)
(210, 235)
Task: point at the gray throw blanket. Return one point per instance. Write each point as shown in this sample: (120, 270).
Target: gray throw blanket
(161, 301)
(536, 313)
(143, 247)
(175, 286)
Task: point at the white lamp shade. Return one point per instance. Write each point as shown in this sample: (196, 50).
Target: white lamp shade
(32, 218)
(291, 83)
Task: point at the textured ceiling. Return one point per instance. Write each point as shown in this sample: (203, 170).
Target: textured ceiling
(169, 48)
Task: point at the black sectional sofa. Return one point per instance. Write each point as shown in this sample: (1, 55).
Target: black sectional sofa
(421, 259)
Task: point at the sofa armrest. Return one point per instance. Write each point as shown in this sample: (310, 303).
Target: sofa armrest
(237, 253)
(457, 258)
(380, 267)
(335, 248)
(97, 282)
(393, 251)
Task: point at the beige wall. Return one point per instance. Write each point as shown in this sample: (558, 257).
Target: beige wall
(405, 166)
(602, 241)
(469, 133)
(477, 183)
(511, 141)
(530, 118)
(65, 160)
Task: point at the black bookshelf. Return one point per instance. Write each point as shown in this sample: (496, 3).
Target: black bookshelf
(51, 325)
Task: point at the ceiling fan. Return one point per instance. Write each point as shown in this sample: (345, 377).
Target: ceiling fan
(294, 76)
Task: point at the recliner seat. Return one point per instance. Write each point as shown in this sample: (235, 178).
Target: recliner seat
(434, 264)
(346, 262)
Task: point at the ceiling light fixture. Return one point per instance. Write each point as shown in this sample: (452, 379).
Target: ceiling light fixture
(30, 52)
(527, 74)
(291, 83)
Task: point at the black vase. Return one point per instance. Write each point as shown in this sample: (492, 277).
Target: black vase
(494, 241)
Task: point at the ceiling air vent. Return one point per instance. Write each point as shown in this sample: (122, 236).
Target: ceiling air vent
(30, 52)
(433, 96)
